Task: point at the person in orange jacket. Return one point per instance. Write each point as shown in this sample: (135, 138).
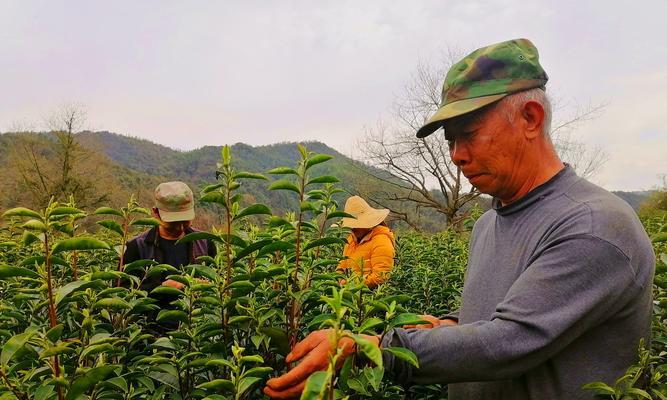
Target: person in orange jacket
(369, 250)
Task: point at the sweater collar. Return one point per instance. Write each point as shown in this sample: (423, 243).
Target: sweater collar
(553, 186)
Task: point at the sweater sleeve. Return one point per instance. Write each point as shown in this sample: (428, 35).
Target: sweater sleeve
(569, 288)
(381, 261)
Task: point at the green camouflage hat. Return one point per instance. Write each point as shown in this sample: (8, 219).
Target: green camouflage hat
(484, 76)
(175, 202)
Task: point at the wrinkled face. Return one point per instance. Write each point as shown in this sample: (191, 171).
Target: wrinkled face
(488, 149)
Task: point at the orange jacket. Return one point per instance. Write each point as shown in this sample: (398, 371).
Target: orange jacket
(376, 250)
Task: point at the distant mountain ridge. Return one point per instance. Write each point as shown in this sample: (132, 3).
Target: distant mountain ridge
(135, 166)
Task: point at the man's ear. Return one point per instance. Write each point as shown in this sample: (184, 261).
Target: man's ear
(156, 213)
(533, 116)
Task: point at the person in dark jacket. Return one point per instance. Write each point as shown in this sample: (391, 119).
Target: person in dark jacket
(557, 290)
(174, 208)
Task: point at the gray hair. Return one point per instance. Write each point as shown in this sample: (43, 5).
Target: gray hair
(509, 104)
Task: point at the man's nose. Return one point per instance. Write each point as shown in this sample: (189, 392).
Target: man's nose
(458, 152)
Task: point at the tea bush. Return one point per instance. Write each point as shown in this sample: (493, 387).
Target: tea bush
(75, 324)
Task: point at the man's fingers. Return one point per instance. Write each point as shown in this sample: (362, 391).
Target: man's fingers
(306, 345)
(419, 326)
(173, 283)
(317, 360)
(289, 393)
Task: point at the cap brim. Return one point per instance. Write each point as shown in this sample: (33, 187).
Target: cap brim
(173, 216)
(367, 220)
(456, 109)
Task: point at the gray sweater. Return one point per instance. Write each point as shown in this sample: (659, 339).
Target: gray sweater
(557, 294)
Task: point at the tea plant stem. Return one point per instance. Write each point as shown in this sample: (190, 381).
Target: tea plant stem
(121, 259)
(75, 274)
(52, 307)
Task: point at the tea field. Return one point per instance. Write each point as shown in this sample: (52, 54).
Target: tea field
(74, 323)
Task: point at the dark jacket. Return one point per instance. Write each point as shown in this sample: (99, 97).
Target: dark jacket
(146, 246)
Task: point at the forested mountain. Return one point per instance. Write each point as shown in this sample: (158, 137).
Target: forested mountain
(106, 168)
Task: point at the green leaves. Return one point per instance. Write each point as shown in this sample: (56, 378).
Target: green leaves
(113, 303)
(323, 179)
(107, 211)
(13, 345)
(406, 319)
(284, 184)
(21, 212)
(325, 241)
(317, 159)
(283, 171)
(248, 175)
(10, 272)
(66, 211)
(191, 237)
(112, 226)
(254, 209)
(403, 354)
(80, 243)
(172, 316)
(370, 350)
(316, 386)
(72, 287)
(146, 222)
(220, 385)
(88, 380)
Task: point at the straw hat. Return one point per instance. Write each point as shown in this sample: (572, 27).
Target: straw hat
(366, 216)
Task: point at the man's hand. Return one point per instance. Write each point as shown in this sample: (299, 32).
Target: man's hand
(433, 322)
(314, 352)
(173, 283)
(179, 285)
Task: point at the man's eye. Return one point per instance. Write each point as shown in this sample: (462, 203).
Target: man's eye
(450, 143)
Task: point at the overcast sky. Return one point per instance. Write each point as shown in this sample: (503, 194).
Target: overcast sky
(192, 73)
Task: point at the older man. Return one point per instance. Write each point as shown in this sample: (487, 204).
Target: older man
(558, 285)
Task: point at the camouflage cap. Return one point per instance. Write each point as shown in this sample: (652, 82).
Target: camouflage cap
(484, 76)
(175, 202)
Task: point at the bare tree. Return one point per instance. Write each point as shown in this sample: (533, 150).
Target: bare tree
(419, 172)
(54, 164)
(586, 160)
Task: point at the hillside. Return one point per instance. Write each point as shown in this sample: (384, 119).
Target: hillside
(114, 167)
(197, 167)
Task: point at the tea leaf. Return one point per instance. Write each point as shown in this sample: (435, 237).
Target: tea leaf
(246, 383)
(145, 222)
(80, 243)
(219, 385)
(253, 210)
(249, 175)
(9, 272)
(21, 212)
(88, 380)
(172, 316)
(14, 344)
(107, 211)
(316, 386)
(323, 179)
(317, 159)
(284, 184)
(66, 211)
(370, 350)
(282, 171)
(112, 226)
(403, 354)
(194, 236)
